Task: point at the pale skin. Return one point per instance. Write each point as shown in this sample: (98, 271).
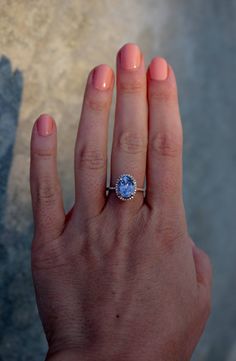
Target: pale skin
(118, 280)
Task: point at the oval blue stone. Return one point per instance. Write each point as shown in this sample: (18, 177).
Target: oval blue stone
(126, 187)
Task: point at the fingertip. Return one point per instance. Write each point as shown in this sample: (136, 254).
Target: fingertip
(102, 77)
(159, 70)
(129, 61)
(45, 125)
(43, 135)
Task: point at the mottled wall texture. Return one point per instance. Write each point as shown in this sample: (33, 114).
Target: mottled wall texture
(47, 49)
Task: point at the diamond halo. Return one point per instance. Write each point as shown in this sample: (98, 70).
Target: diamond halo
(126, 187)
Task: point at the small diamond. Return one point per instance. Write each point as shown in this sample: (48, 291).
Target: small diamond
(125, 187)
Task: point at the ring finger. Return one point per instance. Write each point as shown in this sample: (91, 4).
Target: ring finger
(130, 131)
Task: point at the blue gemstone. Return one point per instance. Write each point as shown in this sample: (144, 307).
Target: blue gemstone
(126, 187)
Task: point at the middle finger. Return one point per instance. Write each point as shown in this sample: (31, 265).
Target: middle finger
(130, 131)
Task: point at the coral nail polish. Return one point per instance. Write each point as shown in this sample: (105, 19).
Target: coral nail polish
(158, 69)
(45, 125)
(102, 77)
(130, 56)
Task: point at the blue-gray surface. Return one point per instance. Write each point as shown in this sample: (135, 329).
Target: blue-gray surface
(54, 45)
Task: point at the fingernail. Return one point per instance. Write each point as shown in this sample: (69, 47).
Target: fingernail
(102, 77)
(158, 69)
(130, 56)
(44, 125)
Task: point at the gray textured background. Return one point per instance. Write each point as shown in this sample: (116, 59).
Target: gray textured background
(48, 48)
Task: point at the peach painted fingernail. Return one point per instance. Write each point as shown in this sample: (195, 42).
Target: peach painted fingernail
(44, 125)
(130, 56)
(102, 77)
(158, 69)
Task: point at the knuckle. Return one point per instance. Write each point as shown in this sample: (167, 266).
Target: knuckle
(167, 144)
(171, 234)
(44, 153)
(97, 105)
(165, 93)
(47, 191)
(170, 238)
(131, 86)
(132, 143)
(91, 159)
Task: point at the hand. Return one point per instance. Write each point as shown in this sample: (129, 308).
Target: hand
(118, 280)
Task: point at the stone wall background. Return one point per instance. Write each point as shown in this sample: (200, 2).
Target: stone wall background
(47, 49)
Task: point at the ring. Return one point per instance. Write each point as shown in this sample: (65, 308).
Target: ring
(126, 187)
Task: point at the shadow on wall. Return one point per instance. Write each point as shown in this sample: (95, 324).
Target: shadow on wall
(11, 86)
(21, 335)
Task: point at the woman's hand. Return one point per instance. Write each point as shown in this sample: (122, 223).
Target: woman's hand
(118, 280)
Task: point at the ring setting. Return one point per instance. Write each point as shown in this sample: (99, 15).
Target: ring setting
(126, 187)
